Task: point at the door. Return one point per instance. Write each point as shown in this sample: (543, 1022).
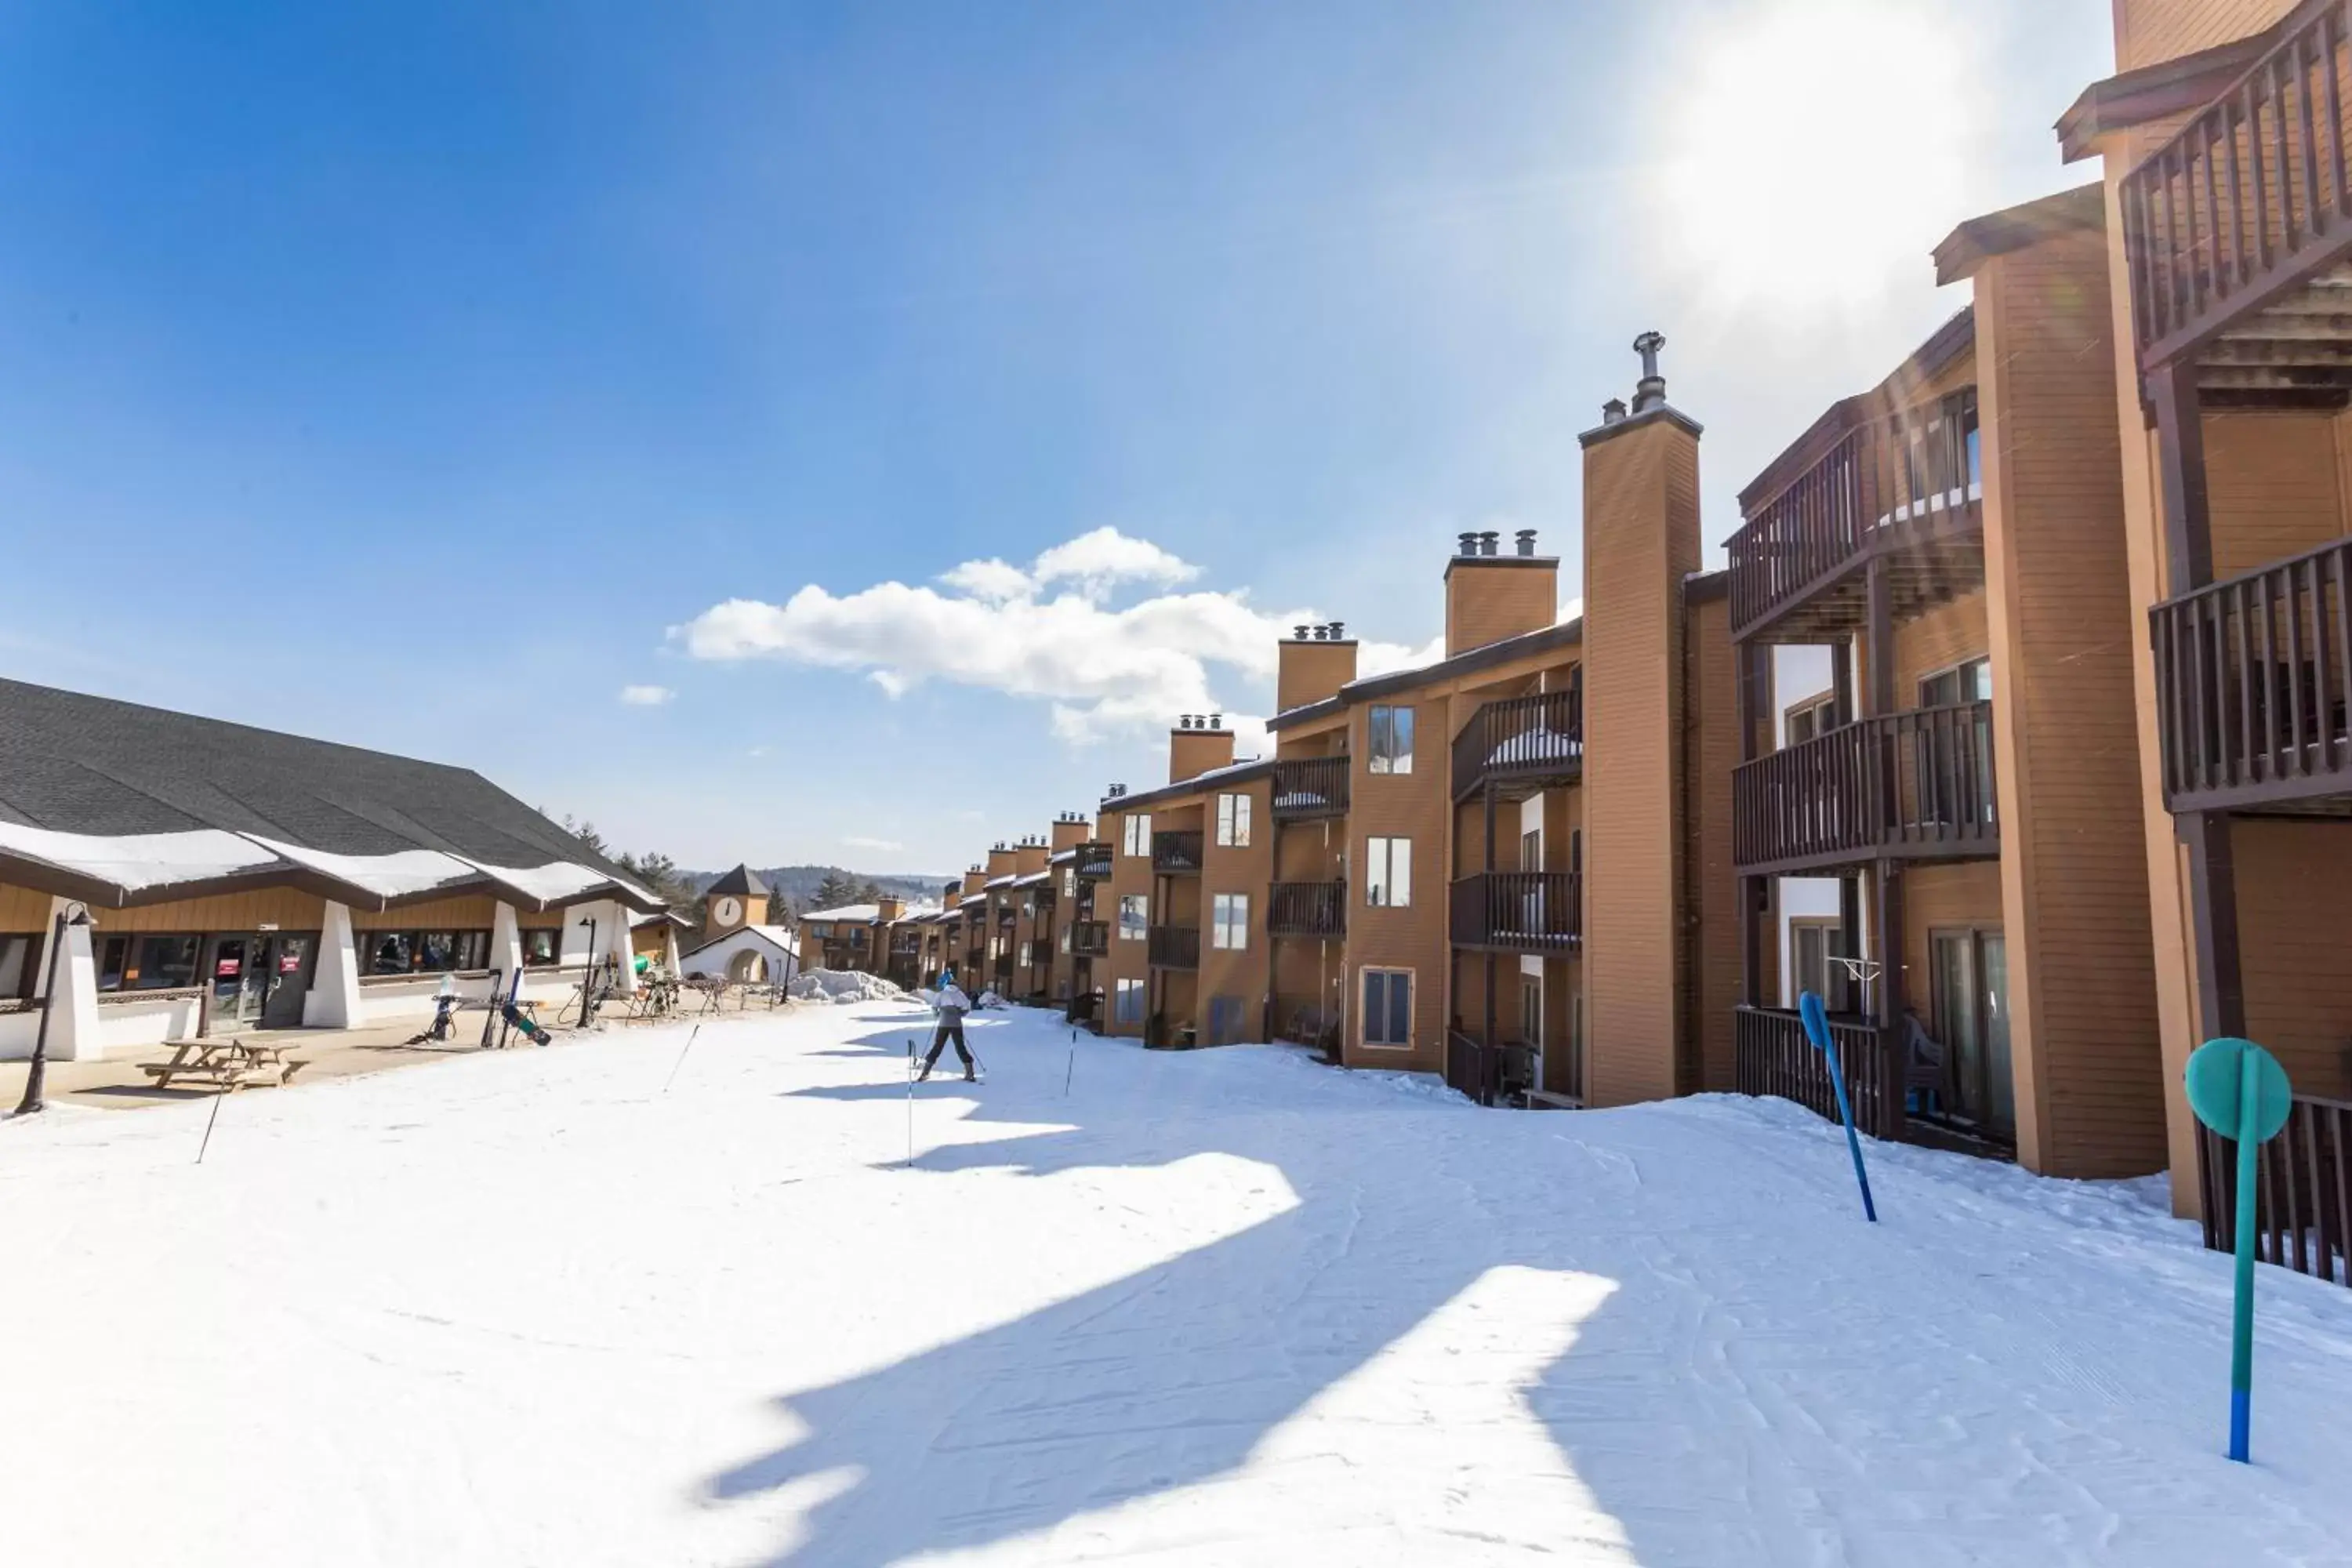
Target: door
(1531, 1022)
(1971, 1009)
(239, 982)
(286, 961)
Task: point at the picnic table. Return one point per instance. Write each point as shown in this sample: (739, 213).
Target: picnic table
(225, 1062)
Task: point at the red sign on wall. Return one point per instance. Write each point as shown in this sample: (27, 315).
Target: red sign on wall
(226, 969)
(289, 964)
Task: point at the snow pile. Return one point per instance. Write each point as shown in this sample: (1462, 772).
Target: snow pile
(989, 999)
(840, 986)
(1197, 1309)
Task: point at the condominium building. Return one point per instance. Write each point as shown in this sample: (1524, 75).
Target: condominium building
(1937, 819)
(2227, 211)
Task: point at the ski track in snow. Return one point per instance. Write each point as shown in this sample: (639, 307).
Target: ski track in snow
(1218, 1308)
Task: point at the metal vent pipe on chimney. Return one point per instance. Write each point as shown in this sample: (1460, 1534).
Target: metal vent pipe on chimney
(1526, 541)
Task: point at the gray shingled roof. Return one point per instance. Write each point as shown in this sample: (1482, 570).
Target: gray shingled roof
(76, 763)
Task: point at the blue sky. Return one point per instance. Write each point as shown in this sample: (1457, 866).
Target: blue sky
(427, 376)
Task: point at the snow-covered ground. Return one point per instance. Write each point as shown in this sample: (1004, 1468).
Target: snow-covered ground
(1220, 1308)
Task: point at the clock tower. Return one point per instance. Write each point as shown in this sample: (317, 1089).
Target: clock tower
(737, 899)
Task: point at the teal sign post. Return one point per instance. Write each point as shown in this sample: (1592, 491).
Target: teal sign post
(2238, 1090)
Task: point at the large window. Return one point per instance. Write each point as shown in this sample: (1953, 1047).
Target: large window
(1813, 716)
(1129, 1002)
(1388, 873)
(1815, 945)
(1970, 681)
(1232, 821)
(424, 952)
(1134, 917)
(1388, 1007)
(1229, 920)
(1391, 749)
(147, 962)
(542, 948)
(19, 966)
(1136, 836)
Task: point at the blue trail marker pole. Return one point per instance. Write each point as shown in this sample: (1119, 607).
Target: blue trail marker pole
(1817, 1029)
(2240, 1091)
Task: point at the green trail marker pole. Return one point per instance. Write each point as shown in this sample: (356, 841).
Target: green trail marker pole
(2240, 1091)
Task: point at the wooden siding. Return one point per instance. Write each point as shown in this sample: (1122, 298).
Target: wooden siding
(475, 912)
(2274, 479)
(1711, 750)
(2295, 913)
(286, 908)
(1247, 973)
(2074, 894)
(1409, 805)
(1490, 598)
(1937, 640)
(1130, 874)
(22, 909)
(2150, 32)
(1641, 539)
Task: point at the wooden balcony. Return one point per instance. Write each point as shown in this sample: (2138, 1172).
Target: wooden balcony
(1174, 947)
(1090, 939)
(2252, 677)
(1771, 1055)
(1519, 912)
(1908, 489)
(2303, 1201)
(1306, 908)
(1521, 745)
(2236, 230)
(1913, 786)
(1176, 854)
(1310, 787)
(1094, 864)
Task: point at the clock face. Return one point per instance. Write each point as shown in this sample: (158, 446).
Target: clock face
(727, 912)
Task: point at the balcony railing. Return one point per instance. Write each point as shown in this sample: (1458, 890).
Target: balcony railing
(1771, 1055)
(1090, 939)
(2251, 197)
(1175, 947)
(1490, 1075)
(2252, 677)
(1529, 741)
(2303, 1204)
(1094, 861)
(1176, 852)
(1912, 785)
(1519, 912)
(1896, 485)
(1306, 908)
(1310, 787)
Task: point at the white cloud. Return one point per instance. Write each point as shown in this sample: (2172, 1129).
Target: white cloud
(880, 846)
(1102, 669)
(646, 696)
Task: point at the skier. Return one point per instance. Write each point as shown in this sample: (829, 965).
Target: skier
(952, 1005)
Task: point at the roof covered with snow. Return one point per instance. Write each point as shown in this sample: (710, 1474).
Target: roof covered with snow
(1031, 879)
(850, 913)
(114, 804)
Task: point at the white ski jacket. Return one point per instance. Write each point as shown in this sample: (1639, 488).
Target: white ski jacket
(952, 1003)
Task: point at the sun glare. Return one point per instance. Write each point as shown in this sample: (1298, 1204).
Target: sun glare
(1815, 149)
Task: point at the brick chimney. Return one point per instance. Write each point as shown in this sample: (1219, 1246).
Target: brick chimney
(1199, 742)
(891, 908)
(1640, 540)
(1030, 855)
(1001, 860)
(1312, 664)
(1070, 830)
(1490, 596)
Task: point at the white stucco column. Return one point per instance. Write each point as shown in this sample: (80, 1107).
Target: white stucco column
(334, 999)
(73, 1011)
(620, 945)
(506, 945)
(669, 947)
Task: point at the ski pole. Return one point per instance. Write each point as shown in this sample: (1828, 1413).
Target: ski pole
(1072, 1066)
(910, 1100)
(218, 1095)
(681, 1060)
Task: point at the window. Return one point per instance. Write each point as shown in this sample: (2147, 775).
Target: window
(1065, 939)
(1392, 740)
(1232, 821)
(857, 936)
(1229, 920)
(1813, 716)
(19, 964)
(147, 962)
(1134, 916)
(1388, 873)
(1129, 1002)
(821, 929)
(1531, 850)
(1815, 947)
(1970, 681)
(1388, 1007)
(424, 952)
(1069, 881)
(540, 948)
(1137, 834)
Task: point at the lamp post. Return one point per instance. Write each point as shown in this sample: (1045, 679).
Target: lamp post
(588, 980)
(37, 1072)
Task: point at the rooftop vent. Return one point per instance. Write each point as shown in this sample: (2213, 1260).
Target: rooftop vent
(1525, 538)
(1651, 391)
(1613, 411)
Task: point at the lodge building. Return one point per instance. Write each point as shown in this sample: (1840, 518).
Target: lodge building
(179, 875)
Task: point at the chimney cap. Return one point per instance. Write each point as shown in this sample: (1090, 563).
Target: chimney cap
(1338, 631)
(1525, 538)
(1650, 392)
(1469, 544)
